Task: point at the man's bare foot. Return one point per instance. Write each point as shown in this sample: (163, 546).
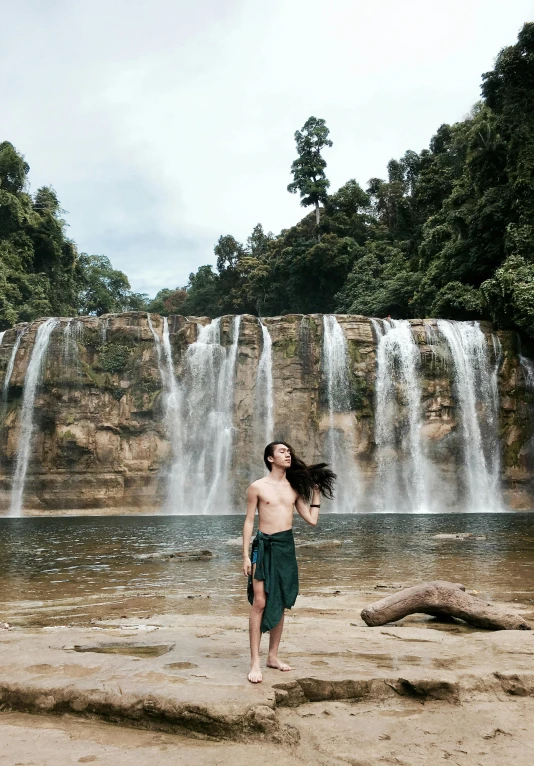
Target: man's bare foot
(274, 662)
(255, 676)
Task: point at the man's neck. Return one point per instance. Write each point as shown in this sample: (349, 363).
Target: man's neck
(277, 473)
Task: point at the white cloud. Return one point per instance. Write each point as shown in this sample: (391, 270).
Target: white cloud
(164, 124)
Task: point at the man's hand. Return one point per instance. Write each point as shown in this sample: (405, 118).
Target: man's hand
(247, 566)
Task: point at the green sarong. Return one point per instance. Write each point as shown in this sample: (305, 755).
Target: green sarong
(276, 565)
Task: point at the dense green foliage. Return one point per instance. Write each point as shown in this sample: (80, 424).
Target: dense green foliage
(449, 233)
(41, 273)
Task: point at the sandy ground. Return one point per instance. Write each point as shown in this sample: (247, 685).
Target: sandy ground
(173, 690)
(485, 734)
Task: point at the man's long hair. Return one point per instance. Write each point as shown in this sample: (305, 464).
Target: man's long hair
(304, 478)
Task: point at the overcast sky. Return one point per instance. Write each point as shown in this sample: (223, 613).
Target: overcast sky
(164, 124)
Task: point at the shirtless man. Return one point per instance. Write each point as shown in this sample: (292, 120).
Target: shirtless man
(276, 500)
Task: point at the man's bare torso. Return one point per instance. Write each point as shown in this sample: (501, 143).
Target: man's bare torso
(276, 504)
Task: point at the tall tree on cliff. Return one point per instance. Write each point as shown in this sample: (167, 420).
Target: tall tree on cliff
(309, 178)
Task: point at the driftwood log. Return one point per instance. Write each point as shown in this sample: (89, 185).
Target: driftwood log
(439, 599)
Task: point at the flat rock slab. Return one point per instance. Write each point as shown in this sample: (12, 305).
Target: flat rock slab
(126, 648)
(197, 683)
(193, 555)
(458, 536)
(320, 544)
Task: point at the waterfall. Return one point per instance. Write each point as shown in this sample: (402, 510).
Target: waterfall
(340, 439)
(218, 492)
(401, 477)
(172, 401)
(527, 366)
(11, 363)
(380, 327)
(72, 332)
(478, 404)
(199, 475)
(173, 408)
(2, 336)
(104, 324)
(264, 403)
(157, 343)
(173, 389)
(31, 383)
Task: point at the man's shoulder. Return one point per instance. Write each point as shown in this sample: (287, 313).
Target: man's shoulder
(257, 484)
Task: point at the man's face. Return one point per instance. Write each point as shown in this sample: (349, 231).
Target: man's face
(281, 456)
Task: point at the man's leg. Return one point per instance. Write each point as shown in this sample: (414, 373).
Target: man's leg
(274, 642)
(256, 614)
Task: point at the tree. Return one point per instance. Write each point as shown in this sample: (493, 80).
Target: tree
(38, 263)
(13, 169)
(202, 293)
(104, 290)
(309, 178)
(510, 294)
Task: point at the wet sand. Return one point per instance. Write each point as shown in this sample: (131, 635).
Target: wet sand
(332, 734)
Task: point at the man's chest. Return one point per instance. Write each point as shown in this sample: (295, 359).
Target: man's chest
(276, 497)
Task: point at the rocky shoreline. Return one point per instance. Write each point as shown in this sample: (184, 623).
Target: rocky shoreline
(185, 675)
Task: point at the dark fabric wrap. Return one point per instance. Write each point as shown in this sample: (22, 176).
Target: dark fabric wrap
(277, 567)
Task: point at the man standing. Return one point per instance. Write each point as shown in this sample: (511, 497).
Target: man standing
(272, 568)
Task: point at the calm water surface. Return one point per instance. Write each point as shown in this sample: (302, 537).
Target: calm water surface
(74, 570)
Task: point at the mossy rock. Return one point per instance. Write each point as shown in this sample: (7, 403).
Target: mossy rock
(147, 385)
(92, 338)
(114, 357)
(124, 336)
(355, 354)
(100, 380)
(288, 347)
(510, 453)
(67, 436)
(361, 396)
(145, 401)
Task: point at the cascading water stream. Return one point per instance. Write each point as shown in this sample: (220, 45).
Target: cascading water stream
(104, 324)
(31, 383)
(72, 333)
(157, 344)
(174, 398)
(401, 477)
(380, 327)
(340, 439)
(478, 405)
(2, 336)
(264, 403)
(199, 475)
(527, 367)
(11, 364)
(219, 490)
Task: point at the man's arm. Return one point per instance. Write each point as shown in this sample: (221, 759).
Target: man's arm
(248, 527)
(310, 515)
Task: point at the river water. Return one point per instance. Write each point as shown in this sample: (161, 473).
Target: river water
(58, 571)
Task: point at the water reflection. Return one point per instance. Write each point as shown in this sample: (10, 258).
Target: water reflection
(57, 570)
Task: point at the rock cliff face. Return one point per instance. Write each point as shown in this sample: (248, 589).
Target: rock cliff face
(101, 440)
